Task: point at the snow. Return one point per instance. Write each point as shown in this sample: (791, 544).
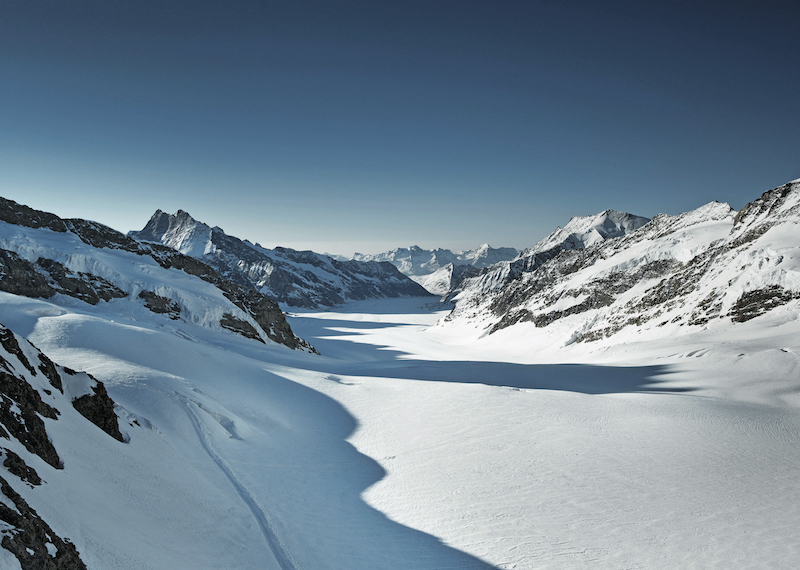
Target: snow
(409, 445)
(414, 443)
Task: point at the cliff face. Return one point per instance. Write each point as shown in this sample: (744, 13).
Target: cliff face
(34, 394)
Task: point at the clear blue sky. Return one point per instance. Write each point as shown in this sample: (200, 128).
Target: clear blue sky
(364, 126)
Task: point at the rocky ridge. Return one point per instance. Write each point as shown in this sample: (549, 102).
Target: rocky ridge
(692, 269)
(34, 394)
(580, 232)
(297, 278)
(417, 262)
(38, 264)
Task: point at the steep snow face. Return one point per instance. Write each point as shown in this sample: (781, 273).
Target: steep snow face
(442, 281)
(38, 401)
(584, 231)
(415, 261)
(579, 233)
(297, 278)
(705, 268)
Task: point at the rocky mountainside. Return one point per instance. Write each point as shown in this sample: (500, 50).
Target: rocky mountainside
(579, 233)
(36, 394)
(44, 256)
(415, 261)
(297, 278)
(447, 278)
(708, 266)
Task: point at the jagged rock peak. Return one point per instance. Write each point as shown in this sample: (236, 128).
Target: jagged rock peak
(282, 273)
(179, 231)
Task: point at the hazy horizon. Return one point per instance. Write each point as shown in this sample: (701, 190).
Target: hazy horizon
(369, 126)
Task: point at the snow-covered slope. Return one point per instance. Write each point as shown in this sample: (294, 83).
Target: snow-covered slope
(583, 231)
(40, 402)
(297, 278)
(707, 267)
(406, 444)
(415, 261)
(580, 232)
(446, 278)
(42, 255)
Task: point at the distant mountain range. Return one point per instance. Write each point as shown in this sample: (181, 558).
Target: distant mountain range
(415, 261)
(441, 271)
(297, 278)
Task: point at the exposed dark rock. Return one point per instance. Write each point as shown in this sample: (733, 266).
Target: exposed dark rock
(239, 326)
(596, 300)
(48, 368)
(10, 344)
(160, 305)
(298, 278)
(98, 235)
(16, 466)
(267, 315)
(755, 303)
(98, 408)
(20, 215)
(84, 286)
(21, 411)
(29, 536)
(20, 277)
(48, 277)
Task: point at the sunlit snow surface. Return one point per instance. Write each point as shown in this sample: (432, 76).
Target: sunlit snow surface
(414, 446)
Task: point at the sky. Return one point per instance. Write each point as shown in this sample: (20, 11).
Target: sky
(365, 126)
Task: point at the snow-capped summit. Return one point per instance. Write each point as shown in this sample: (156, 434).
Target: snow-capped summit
(583, 231)
(297, 278)
(703, 267)
(179, 231)
(417, 262)
(44, 256)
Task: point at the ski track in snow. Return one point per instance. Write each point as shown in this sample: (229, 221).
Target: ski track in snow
(258, 512)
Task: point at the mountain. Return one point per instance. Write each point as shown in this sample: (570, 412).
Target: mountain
(297, 278)
(707, 267)
(578, 233)
(655, 368)
(446, 279)
(43, 256)
(415, 261)
(583, 231)
(38, 395)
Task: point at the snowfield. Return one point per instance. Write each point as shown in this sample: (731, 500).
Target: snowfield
(409, 445)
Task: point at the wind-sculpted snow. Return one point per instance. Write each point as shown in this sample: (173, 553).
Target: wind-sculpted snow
(42, 255)
(707, 267)
(297, 278)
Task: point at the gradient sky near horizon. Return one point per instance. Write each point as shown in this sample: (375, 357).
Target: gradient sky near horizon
(368, 125)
